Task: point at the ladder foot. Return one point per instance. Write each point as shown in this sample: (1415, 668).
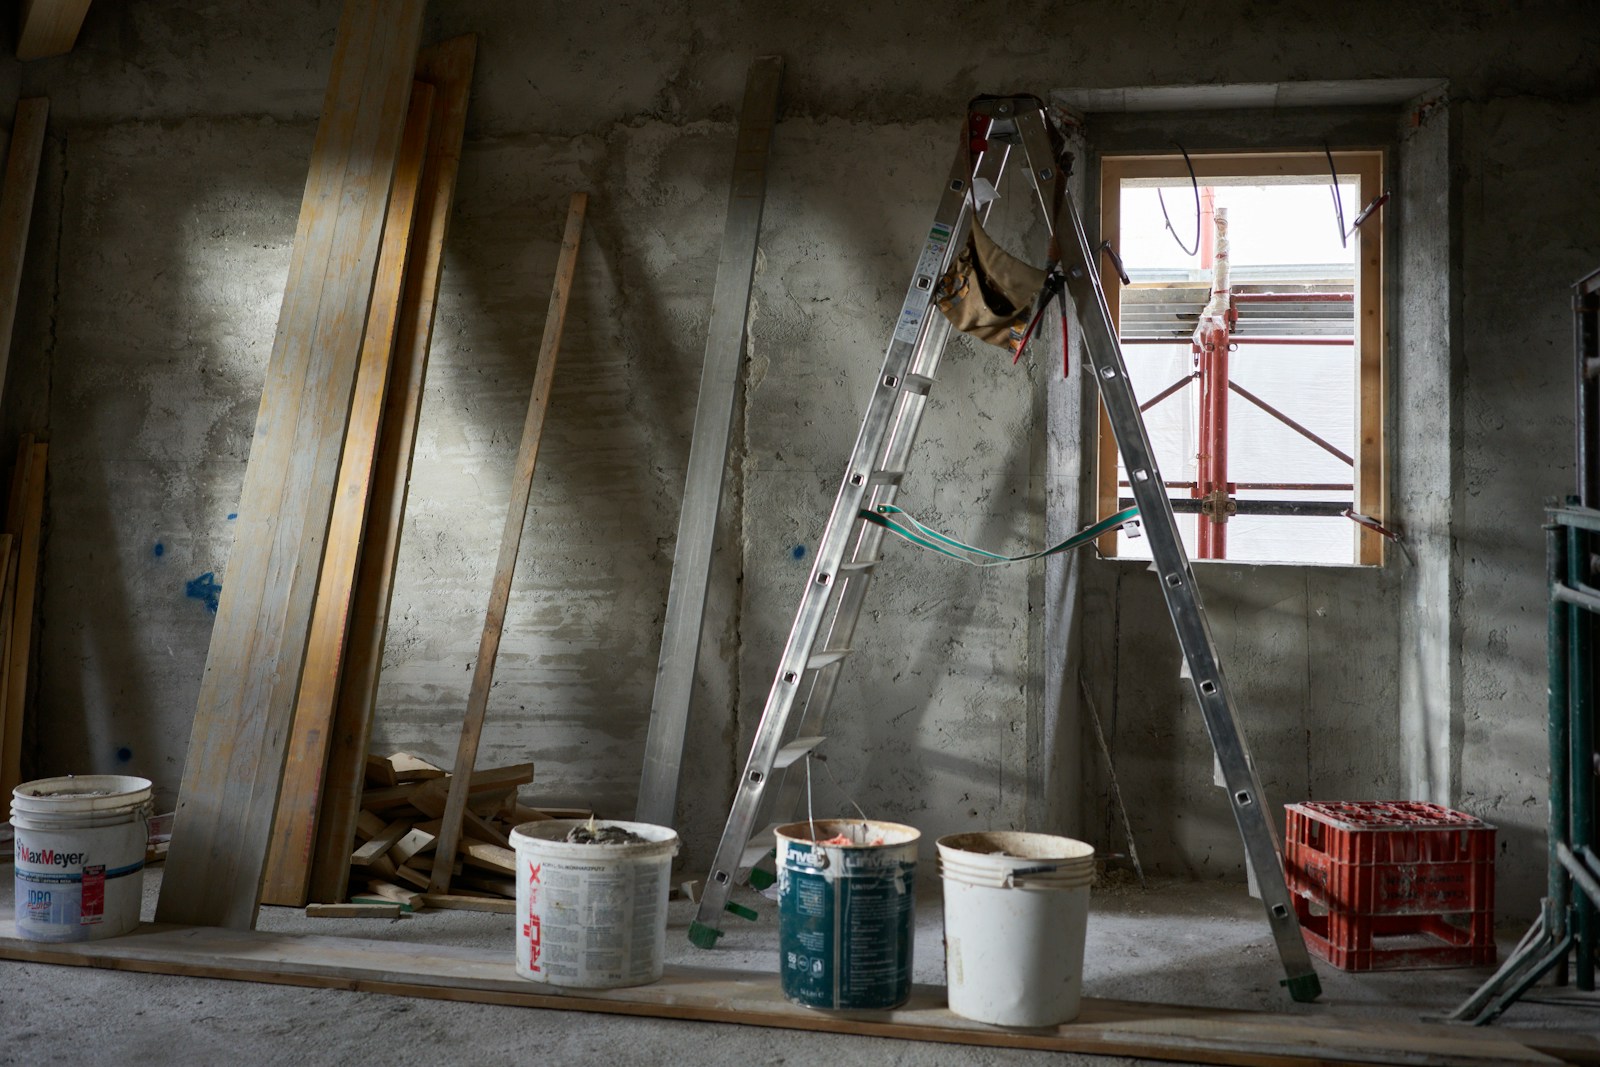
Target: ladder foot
(1304, 988)
(703, 936)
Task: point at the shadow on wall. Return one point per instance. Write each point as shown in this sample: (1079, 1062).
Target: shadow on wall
(169, 286)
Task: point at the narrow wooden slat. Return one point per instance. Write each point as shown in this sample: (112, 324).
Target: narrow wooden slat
(19, 646)
(448, 68)
(464, 902)
(295, 824)
(1372, 484)
(16, 212)
(510, 543)
(247, 697)
(49, 27)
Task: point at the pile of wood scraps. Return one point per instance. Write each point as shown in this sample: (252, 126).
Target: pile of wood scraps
(397, 837)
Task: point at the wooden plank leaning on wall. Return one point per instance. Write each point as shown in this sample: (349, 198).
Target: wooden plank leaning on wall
(295, 824)
(24, 527)
(448, 68)
(49, 27)
(235, 762)
(510, 542)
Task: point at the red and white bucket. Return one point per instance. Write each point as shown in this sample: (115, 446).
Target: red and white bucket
(592, 915)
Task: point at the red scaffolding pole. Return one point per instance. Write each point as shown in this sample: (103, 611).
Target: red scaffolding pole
(1210, 348)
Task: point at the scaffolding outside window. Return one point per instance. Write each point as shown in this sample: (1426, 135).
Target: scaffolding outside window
(1264, 397)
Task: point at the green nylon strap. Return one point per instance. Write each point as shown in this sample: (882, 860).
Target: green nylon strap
(934, 541)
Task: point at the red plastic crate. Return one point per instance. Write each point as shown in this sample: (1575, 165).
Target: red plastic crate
(1391, 885)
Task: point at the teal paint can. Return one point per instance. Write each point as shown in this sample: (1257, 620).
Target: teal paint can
(845, 898)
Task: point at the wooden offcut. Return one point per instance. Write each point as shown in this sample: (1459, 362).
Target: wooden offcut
(510, 542)
(448, 68)
(295, 824)
(353, 911)
(48, 28)
(16, 212)
(234, 768)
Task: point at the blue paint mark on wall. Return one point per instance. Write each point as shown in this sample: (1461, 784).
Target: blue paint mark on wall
(798, 552)
(124, 754)
(159, 551)
(205, 589)
(232, 515)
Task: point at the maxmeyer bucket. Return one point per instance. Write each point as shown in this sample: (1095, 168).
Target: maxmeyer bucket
(845, 912)
(80, 844)
(592, 916)
(1016, 909)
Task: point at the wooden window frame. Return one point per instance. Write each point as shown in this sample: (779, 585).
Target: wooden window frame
(1367, 166)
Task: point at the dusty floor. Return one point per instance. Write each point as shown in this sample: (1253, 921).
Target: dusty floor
(1191, 943)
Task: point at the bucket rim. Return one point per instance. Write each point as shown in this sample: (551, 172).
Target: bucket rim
(801, 833)
(546, 836)
(1034, 847)
(64, 794)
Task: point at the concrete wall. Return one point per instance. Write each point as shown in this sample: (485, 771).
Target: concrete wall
(177, 157)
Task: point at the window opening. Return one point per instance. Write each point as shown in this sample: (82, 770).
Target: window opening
(1257, 359)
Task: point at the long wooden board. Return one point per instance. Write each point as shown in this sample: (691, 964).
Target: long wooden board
(16, 212)
(247, 697)
(448, 68)
(294, 826)
(1313, 1035)
(510, 543)
(49, 27)
(19, 643)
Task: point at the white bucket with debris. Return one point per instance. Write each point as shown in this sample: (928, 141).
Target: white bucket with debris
(1016, 912)
(592, 914)
(80, 844)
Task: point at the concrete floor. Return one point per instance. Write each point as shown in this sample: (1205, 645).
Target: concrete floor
(1181, 942)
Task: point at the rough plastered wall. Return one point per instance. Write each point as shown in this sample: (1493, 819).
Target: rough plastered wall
(176, 160)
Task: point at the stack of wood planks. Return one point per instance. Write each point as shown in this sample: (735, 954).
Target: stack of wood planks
(397, 837)
(291, 677)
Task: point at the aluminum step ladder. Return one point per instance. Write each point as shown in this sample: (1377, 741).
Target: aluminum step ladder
(824, 625)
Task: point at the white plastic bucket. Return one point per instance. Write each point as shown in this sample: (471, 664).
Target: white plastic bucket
(592, 916)
(80, 844)
(1016, 911)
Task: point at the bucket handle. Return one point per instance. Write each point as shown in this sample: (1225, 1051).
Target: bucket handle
(1013, 875)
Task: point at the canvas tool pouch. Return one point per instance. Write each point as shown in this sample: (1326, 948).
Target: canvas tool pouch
(988, 292)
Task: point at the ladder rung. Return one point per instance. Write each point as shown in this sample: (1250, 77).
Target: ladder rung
(885, 477)
(758, 846)
(916, 383)
(827, 658)
(800, 746)
(857, 567)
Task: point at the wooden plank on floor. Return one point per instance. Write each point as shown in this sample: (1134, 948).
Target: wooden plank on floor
(294, 826)
(448, 68)
(16, 213)
(1310, 1034)
(48, 28)
(19, 645)
(237, 745)
(510, 543)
